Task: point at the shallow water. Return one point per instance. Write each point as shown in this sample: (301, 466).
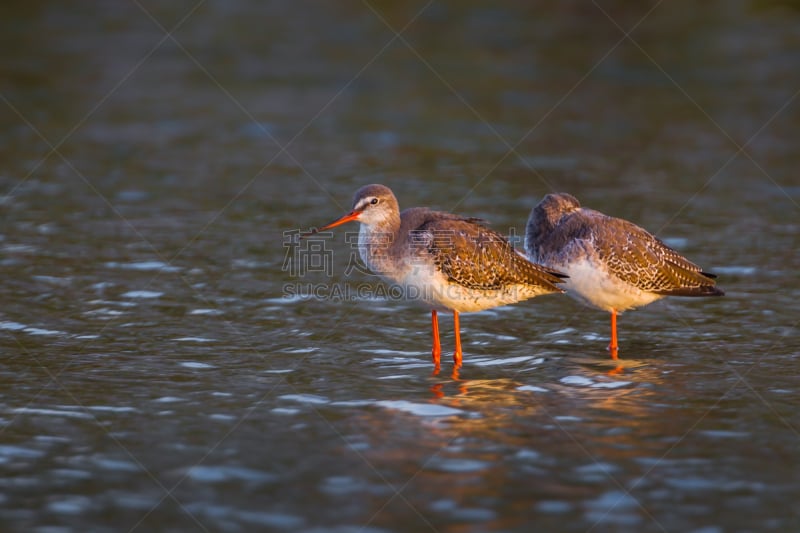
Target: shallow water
(165, 368)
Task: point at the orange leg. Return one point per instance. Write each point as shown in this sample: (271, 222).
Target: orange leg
(613, 347)
(437, 348)
(457, 356)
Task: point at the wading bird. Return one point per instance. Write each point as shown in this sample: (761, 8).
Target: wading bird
(611, 264)
(445, 261)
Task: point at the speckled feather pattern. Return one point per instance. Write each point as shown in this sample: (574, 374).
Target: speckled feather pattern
(449, 261)
(560, 233)
(462, 250)
(476, 257)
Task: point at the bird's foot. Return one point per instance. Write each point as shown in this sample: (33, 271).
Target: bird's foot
(613, 349)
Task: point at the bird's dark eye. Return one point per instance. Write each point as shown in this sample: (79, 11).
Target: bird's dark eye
(374, 201)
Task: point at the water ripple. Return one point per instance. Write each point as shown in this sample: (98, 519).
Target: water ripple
(420, 409)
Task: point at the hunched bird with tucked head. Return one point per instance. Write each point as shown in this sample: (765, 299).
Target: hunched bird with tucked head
(446, 261)
(611, 264)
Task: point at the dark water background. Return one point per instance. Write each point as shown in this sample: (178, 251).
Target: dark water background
(154, 377)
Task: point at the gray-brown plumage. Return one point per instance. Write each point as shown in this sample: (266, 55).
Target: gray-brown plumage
(612, 264)
(443, 260)
(474, 256)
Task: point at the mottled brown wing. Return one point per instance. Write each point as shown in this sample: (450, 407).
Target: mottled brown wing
(477, 257)
(637, 257)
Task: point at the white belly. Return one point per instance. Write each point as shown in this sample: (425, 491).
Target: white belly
(591, 284)
(433, 289)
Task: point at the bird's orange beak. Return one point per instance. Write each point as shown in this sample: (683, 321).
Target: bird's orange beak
(352, 215)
